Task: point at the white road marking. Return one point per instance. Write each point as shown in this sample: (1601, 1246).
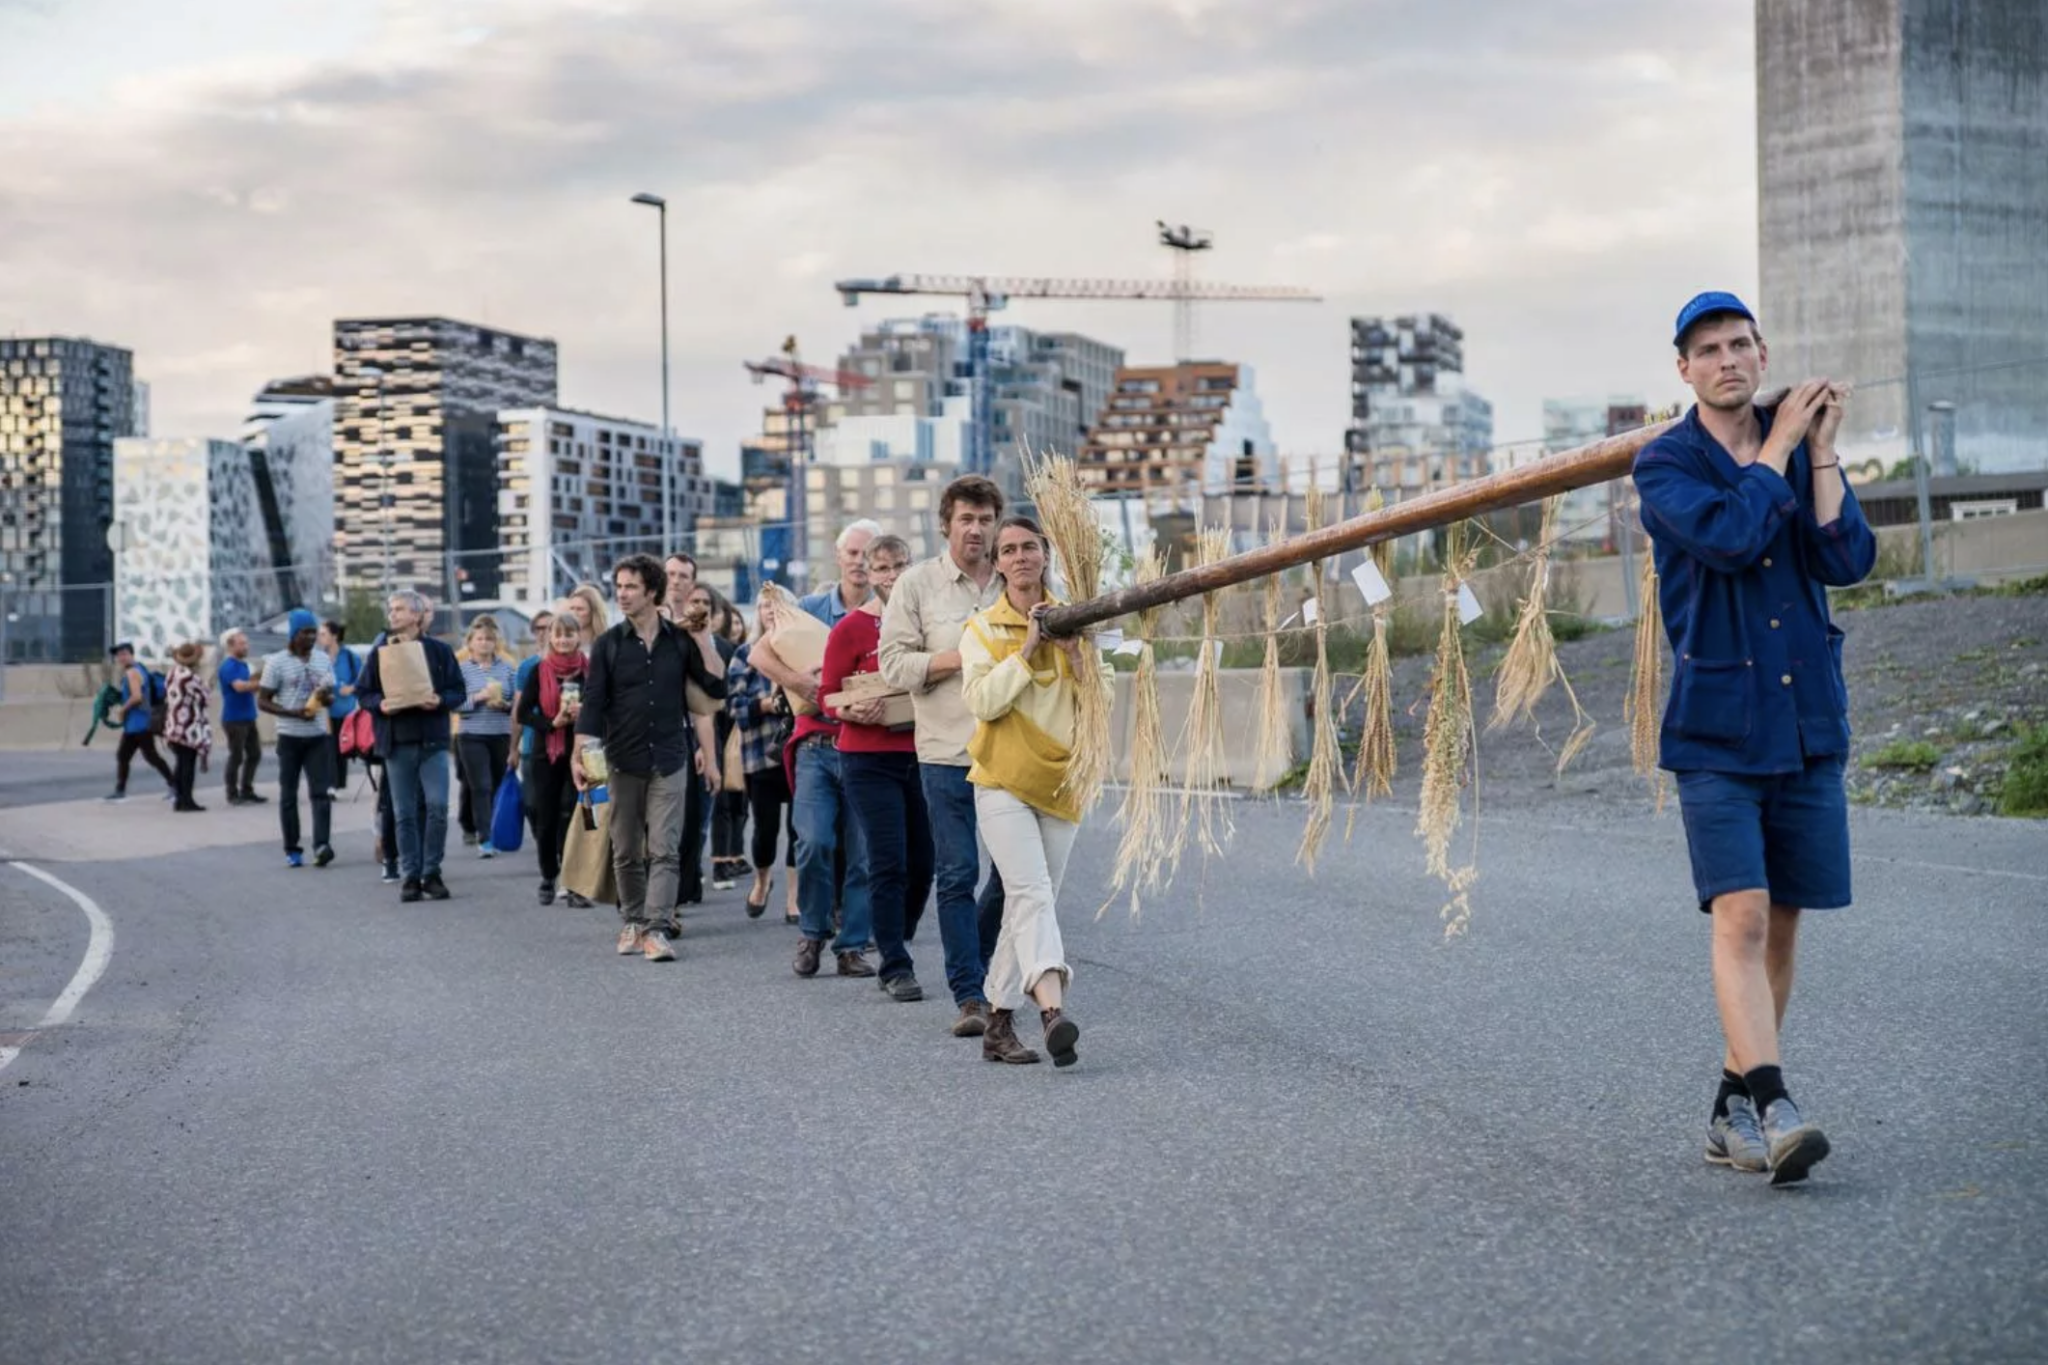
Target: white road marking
(99, 950)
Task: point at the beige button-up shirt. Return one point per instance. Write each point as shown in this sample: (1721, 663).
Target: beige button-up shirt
(926, 615)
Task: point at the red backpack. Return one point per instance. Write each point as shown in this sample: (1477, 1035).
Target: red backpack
(358, 734)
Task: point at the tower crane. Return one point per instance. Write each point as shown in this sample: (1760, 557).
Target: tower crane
(986, 293)
(799, 404)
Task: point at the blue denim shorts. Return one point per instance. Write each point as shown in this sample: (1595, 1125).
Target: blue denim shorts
(1787, 833)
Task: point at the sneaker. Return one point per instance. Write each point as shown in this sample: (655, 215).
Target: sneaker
(294, 860)
(807, 957)
(323, 855)
(1735, 1140)
(547, 892)
(903, 989)
(853, 964)
(390, 873)
(433, 887)
(654, 947)
(1796, 1146)
(252, 799)
(115, 796)
(468, 839)
(577, 900)
(973, 1020)
(486, 851)
(410, 892)
(170, 794)
(629, 939)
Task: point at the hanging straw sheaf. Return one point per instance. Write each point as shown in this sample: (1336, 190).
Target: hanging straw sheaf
(1203, 810)
(1069, 521)
(1646, 689)
(1143, 850)
(1531, 665)
(1450, 745)
(1326, 757)
(1276, 735)
(1374, 774)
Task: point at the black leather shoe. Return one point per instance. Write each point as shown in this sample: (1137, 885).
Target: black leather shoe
(434, 888)
(410, 891)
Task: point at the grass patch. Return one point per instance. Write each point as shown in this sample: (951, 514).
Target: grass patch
(2026, 776)
(1913, 755)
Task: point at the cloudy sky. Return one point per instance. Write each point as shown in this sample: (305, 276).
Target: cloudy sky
(211, 182)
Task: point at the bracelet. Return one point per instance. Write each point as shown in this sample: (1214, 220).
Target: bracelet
(1830, 465)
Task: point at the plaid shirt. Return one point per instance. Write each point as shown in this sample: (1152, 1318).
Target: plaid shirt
(762, 732)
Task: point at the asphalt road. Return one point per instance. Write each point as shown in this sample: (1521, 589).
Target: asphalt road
(297, 1120)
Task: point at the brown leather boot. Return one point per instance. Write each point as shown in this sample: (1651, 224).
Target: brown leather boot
(1000, 1042)
(1061, 1033)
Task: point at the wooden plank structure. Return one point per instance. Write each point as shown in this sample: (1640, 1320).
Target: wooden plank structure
(1597, 462)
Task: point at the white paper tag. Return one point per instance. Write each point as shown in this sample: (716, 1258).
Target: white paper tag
(1469, 609)
(1111, 640)
(1310, 610)
(1372, 583)
(1219, 653)
(1131, 647)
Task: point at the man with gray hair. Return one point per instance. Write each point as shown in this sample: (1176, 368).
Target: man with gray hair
(412, 741)
(824, 827)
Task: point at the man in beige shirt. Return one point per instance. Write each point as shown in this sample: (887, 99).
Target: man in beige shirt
(920, 653)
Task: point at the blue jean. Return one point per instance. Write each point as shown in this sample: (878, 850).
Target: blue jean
(822, 819)
(888, 805)
(967, 930)
(417, 775)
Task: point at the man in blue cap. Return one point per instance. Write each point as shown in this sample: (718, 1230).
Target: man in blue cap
(1751, 521)
(298, 683)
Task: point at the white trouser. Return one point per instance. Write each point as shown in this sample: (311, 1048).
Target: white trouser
(1030, 849)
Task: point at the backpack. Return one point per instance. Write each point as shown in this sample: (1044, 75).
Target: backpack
(358, 737)
(154, 691)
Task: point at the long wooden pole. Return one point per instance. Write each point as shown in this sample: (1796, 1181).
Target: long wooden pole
(1609, 458)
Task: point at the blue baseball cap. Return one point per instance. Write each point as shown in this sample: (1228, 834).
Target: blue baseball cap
(1715, 302)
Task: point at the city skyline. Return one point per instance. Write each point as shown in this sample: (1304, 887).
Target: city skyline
(213, 189)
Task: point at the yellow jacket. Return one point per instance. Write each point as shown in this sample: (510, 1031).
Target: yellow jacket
(1024, 709)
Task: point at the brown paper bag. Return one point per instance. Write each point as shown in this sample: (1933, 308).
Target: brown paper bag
(406, 679)
(799, 641)
(701, 703)
(587, 854)
(732, 775)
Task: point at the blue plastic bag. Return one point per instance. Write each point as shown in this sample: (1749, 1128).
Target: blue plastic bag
(508, 815)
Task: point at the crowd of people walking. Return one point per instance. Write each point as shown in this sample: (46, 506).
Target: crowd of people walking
(936, 723)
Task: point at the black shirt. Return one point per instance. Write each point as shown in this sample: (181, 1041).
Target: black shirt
(633, 697)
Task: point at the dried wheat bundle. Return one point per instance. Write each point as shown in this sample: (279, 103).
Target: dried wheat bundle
(1374, 774)
(1143, 849)
(1531, 665)
(1069, 522)
(1276, 735)
(1646, 688)
(1448, 741)
(1326, 757)
(1203, 810)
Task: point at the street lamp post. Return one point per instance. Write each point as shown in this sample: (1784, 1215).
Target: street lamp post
(668, 527)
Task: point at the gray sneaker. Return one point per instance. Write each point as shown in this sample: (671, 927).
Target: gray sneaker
(1735, 1140)
(1796, 1146)
(903, 989)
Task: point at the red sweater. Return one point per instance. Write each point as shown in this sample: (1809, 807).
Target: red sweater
(850, 649)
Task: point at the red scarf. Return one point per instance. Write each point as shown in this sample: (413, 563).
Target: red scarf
(556, 669)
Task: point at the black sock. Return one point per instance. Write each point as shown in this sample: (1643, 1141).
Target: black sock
(1766, 1086)
(1731, 1084)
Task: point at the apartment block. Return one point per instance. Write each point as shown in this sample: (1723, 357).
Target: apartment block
(577, 490)
(416, 409)
(902, 495)
(1179, 431)
(1416, 423)
(64, 401)
(1587, 516)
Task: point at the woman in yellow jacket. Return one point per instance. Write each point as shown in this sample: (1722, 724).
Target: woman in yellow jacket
(1021, 686)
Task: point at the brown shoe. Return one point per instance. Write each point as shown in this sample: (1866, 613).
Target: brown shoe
(807, 957)
(973, 1021)
(853, 964)
(654, 947)
(1001, 1044)
(1061, 1033)
(629, 939)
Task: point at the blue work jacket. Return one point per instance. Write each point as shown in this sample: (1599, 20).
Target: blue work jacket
(1743, 569)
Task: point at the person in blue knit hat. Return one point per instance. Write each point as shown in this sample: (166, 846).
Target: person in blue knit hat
(298, 684)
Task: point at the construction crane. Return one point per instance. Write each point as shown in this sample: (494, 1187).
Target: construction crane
(799, 403)
(986, 293)
(1184, 242)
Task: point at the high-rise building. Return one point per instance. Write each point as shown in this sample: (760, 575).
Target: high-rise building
(1902, 177)
(417, 401)
(1416, 423)
(901, 495)
(290, 437)
(576, 491)
(63, 404)
(1180, 430)
(1586, 516)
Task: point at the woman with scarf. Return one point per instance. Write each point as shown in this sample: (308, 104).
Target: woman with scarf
(1022, 688)
(186, 726)
(548, 706)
